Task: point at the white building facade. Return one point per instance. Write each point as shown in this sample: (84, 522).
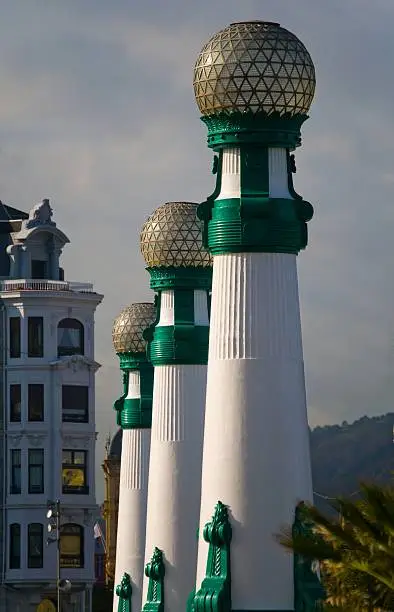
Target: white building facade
(49, 434)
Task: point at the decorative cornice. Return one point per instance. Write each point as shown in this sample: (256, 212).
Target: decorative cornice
(36, 439)
(75, 440)
(162, 278)
(15, 438)
(231, 129)
(75, 362)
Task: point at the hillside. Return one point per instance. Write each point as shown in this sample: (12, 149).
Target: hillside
(343, 455)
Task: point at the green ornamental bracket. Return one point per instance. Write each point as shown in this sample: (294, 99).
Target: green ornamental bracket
(309, 592)
(155, 571)
(214, 594)
(123, 591)
(119, 403)
(136, 412)
(255, 222)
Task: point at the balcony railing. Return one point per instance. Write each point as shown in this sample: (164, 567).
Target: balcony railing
(16, 285)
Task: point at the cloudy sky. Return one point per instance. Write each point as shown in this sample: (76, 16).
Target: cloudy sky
(97, 113)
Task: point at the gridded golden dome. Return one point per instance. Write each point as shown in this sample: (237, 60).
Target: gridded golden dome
(171, 237)
(254, 66)
(129, 326)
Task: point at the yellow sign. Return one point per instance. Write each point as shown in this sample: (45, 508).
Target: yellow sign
(46, 605)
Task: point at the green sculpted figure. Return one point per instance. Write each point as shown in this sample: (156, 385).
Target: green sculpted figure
(123, 591)
(309, 592)
(155, 571)
(214, 594)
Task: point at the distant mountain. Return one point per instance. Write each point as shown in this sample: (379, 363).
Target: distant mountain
(343, 455)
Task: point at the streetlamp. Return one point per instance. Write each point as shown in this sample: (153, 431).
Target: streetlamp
(53, 516)
(327, 498)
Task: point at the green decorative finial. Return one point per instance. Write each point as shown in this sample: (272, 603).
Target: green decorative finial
(123, 591)
(214, 594)
(308, 590)
(155, 571)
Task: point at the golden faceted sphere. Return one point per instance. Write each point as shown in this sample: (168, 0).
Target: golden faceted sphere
(172, 237)
(254, 66)
(129, 326)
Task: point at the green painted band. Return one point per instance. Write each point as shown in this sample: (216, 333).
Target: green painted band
(136, 414)
(257, 224)
(132, 361)
(179, 345)
(274, 130)
(162, 278)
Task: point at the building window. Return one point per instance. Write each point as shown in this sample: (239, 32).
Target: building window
(16, 468)
(36, 470)
(35, 337)
(74, 471)
(35, 548)
(15, 337)
(36, 402)
(70, 338)
(15, 403)
(71, 545)
(15, 546)
(75, 404)
(38, 269)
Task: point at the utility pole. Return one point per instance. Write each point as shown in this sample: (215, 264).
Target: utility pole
(53, 516)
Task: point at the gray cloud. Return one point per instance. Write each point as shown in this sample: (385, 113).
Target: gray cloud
(97, 112)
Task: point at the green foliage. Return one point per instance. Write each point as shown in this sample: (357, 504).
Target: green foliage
(356, 550)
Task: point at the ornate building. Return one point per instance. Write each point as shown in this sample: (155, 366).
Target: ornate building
(48, 412)
(111, 469)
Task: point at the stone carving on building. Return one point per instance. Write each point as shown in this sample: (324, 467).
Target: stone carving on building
(15, 439)
(75, 441)
(75, 363)
(36, 439)
(40, 214)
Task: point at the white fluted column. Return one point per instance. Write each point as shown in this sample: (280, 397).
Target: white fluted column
(256, 439)
(175, 476)
(133, 488)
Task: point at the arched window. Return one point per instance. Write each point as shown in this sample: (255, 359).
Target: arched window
(71, 545)
(15, 546)
(70, 338)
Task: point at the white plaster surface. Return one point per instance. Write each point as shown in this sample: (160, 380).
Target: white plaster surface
(167, 311)
(175, 477)
(200, 307)
(231, 179)
(256, 442)
(134, 391)
(278, 177)
(130, 545)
